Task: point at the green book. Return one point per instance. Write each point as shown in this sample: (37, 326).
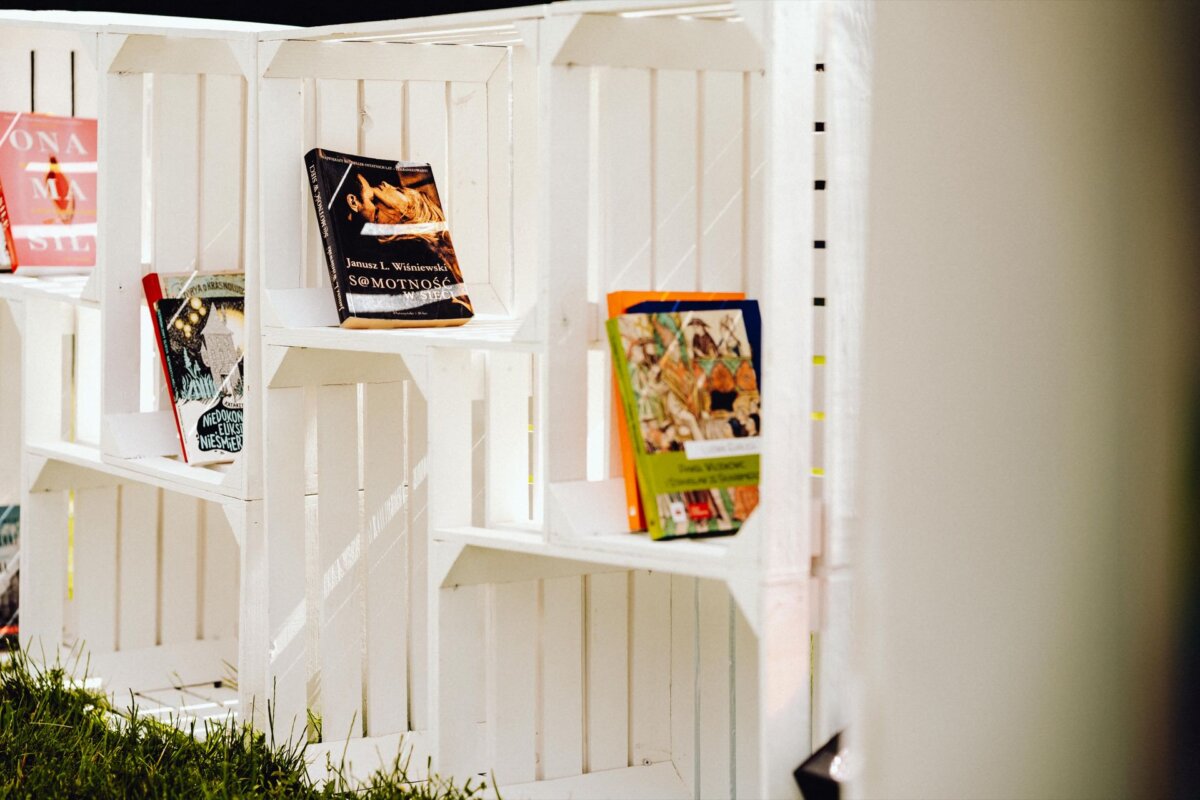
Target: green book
(688, 375)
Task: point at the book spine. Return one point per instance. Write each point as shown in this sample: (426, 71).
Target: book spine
(152, 288)
(629, 404)
(333, 253)
(9, 243)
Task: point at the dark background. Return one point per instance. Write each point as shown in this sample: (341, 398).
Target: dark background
(300, 12)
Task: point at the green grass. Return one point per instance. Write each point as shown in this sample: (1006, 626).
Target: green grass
(58, 740)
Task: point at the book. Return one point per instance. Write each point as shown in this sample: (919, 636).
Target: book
(691, 396)
(177, 285)
(10, 591)
(619, 303)
(202, 340)
(48, 192)
(387, 246)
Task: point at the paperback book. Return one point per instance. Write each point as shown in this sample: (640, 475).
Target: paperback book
(202, 341)
(47, 193)
(619, 303)
(387, 246)
(689, 379)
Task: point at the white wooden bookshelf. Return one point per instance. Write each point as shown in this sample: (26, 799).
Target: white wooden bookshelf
(425, 539)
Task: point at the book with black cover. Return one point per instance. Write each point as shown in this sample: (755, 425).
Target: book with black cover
(389, 253)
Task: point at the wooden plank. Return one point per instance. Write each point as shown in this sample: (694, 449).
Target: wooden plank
(416, 472)
(832, 667)
(714, 715)
(676, 130)
(10, 404)
(684, 647)
(721, 181)
(562, 725)
(661, 43)
(175, 55)
(87, 363)
(426, 121)
(334, 123)
(526, 188)
(283, 187)
(512, 681)
(467, 180)
(607, 683)
(43, 571)
(383, 119)
(340, 562)
(220, 576)
(222, 156)
(45, 372)
(650, 669)
(52, 80)
(95, 562)
(288, 611)
(138, 568)
(120, 241)
(87, 82)
(626, 166)
(175, 172)
(499, 187)
(382, 61)
(15, 85)
(180, 568)
(508, 389)
(753, 99)
(387, 540)
(744, 733)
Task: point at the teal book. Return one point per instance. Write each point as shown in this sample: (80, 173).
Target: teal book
(688, 375)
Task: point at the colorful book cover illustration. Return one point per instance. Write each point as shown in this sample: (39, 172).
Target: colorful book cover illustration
(156, 286)
(619, 303)
(48, 192)
(387, 246)
(10, 578)
(690, 391)
(203, 340)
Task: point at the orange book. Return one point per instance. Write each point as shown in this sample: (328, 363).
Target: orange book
(619, 303)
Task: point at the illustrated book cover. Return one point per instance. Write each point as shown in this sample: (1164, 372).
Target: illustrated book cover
(203, 339)
(690, 391)
(619, 303)
(48, 192)
(387, 246)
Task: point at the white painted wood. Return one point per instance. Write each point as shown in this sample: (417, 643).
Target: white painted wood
(282, 184)
(650, 668)
(508, 392)
(43, 570)
(11, 454)
(45, 368)
(221, 166)
(467, 182)
(138, 574)
(52, 79)
(386, 550)
(426, 123)
(721, 159)
(714, 717)
(513, 682)
(15, 85)
(607, 671)
(603, 40)
(173, 54)
(87, 83)
(685, 645)
(416, 478)
(221, 576)
(340, 563)
(675, 179)
(744, 741)
(179, 568)
(87, 363)
(562, 723)
(382, 61)
(656, 782)
(526, 158)
(498, 197)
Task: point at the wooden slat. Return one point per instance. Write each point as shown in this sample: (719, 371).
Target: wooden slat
(744, 734)
(513, 688)
(382, 61)
(387, 540)
(607, 671)
(289, 612)
(284, 186)
(753, 179)
(175, 172)
(43, 570)
(508, 389)
(95, 582)
(87, 86)
(721, 188)
(179, 566)
(416, 450)
(383, 119)
(499, 198)
(650, 669)
(714, 719)
(562, 678)
(334, 124)
(87, 376)
(683, 680)
(625, 167)
(612, 40)
(426, 124)
(340, 562)
(138, 555)
(222, 158)
(526, 195)
(15, 88)
(467, 181)
(221, 576)
(675, 218)
(52, 81)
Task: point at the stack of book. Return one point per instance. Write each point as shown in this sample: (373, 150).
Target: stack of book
(687, 371)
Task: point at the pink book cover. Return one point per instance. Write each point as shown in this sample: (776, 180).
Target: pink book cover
(48, 192)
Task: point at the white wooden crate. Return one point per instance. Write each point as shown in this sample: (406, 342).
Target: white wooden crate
(436, 548)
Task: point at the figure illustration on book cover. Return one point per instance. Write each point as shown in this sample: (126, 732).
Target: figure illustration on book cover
(205, 341)
(694, 379)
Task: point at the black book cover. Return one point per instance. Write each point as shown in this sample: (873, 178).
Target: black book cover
(391, 261)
